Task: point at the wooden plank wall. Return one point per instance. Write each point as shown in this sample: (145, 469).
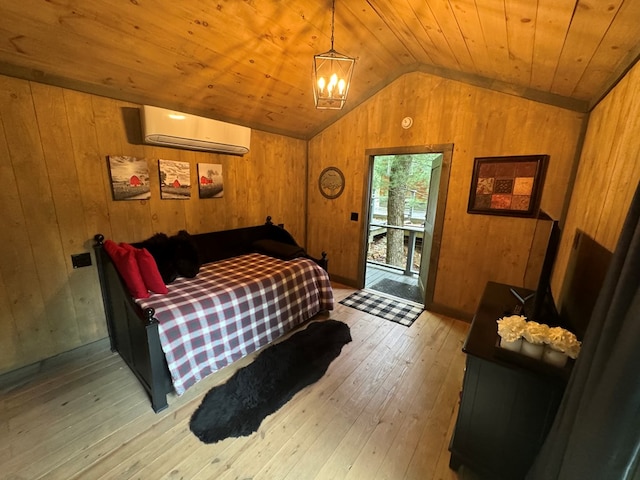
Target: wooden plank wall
(56, 195)
(478, 122)
(608, 174)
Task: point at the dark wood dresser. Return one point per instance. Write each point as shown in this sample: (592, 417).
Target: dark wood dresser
(508, 401)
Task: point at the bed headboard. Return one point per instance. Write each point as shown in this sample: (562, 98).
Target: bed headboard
(215, 246)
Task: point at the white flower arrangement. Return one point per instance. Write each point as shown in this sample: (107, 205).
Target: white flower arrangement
(511, 328)
(536, 333)
(514, 327)
(563, 341)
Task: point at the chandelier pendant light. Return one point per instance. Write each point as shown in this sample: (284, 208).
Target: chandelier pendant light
(331, 75)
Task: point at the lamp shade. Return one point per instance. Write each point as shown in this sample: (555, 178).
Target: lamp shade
(332, 76)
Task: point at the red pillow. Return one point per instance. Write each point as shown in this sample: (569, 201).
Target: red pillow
(127, 265)
(148, 269)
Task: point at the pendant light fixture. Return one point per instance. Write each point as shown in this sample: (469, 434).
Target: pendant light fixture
(331, 75)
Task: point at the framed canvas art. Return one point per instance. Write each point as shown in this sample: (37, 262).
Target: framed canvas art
(210, 180)
(507, 185)
(175, 180)
(129, 178)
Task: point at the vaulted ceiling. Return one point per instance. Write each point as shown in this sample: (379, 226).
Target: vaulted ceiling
(250, 62)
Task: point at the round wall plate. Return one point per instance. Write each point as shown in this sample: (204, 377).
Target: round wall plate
(331, 182)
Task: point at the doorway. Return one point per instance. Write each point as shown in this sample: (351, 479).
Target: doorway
(404, 210)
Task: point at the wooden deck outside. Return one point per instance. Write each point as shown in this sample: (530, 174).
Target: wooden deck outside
(377, 273)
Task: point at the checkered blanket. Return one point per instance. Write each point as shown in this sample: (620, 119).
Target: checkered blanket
(232, 308)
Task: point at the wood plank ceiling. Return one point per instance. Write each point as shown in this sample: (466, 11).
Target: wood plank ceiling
(249, 62)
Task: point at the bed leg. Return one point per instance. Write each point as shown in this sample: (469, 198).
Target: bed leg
(159, 404)
(158, 387)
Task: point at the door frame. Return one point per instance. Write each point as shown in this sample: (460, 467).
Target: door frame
(447, 157)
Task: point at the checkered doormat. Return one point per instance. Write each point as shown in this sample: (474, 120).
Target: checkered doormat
(383, 307)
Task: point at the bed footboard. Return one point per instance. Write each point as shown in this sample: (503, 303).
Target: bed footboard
(133, 331)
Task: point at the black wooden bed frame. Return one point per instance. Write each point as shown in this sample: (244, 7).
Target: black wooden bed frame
(134, 332)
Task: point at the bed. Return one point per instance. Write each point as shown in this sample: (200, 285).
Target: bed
(254, 285)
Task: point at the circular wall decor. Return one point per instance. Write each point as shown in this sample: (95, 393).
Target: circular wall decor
(407, 122)
(331, 182)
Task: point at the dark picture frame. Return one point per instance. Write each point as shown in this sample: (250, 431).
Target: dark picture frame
(507, 185)
(331, 182)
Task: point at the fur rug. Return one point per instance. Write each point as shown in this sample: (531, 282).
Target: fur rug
(237, 407)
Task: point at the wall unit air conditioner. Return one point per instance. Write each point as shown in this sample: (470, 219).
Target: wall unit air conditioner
(168, 128)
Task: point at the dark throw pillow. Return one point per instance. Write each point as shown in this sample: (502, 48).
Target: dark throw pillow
(161, 249)
(185, 254)
(273, 248)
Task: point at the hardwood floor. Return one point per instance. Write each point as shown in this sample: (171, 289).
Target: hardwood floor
(384, 410)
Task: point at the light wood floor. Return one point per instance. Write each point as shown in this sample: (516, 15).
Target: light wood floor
(384, 410)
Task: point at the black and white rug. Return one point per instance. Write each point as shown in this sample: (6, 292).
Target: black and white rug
(384, 307)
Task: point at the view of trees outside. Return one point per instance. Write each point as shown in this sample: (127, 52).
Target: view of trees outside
(399, 197)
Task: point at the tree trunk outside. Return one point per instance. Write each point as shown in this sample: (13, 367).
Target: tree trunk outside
(398, 180)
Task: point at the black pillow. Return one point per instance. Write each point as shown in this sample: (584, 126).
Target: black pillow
(160, 248)
(185, 254)
(273, 248)
(175, 256)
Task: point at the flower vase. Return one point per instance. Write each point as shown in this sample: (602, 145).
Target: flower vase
(513, 346)
(533, 350)
(554, 357)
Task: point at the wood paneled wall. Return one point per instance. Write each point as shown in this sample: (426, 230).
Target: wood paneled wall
(608, 173)
(478, 122)
(56, 195)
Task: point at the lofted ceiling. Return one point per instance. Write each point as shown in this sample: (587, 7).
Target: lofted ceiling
(250, 61)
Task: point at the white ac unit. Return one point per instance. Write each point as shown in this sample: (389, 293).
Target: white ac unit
(168, 128)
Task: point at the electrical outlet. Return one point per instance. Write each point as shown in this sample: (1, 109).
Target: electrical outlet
(81, 260)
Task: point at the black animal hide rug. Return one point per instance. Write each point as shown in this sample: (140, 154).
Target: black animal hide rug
(238, 407)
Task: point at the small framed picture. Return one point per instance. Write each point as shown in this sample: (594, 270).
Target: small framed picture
(507, 185)
(331, 183)
(210, 180)
(175, 180)
(129, 178)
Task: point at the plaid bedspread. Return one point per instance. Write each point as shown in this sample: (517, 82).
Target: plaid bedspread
(232, 308)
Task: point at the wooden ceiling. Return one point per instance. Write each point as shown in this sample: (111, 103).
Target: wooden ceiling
(250, 61)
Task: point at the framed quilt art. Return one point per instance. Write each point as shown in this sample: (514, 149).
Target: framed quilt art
(507, 185)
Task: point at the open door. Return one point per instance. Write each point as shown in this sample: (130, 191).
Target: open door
(429, 228)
